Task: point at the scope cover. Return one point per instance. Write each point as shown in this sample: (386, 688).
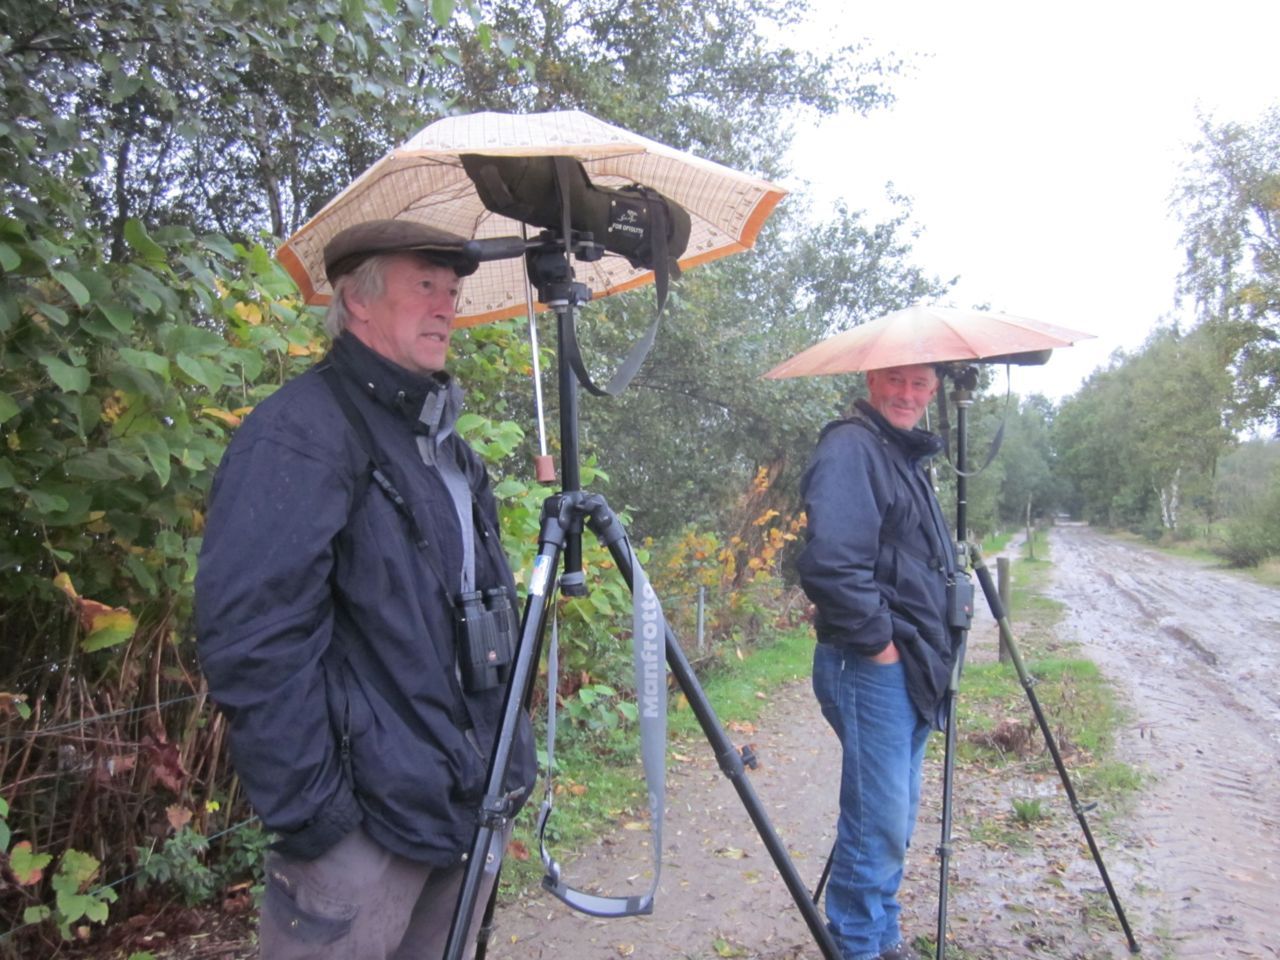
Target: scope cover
(623, 219)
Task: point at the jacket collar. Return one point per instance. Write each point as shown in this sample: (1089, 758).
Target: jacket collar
(429, 404)
(917, 444)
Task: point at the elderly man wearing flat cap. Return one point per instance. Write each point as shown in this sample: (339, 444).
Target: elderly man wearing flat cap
(349, 527)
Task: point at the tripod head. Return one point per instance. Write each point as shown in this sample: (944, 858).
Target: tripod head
(550, 271)
(963, 375)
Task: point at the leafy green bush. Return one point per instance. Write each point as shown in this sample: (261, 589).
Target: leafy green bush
(1247, 541)
(181, 863)
(1253, 534)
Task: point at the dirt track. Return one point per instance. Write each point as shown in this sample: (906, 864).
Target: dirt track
(1195, 862)
(1198, 651)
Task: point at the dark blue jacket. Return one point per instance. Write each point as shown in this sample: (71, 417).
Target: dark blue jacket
(878, 555)
(318, 617)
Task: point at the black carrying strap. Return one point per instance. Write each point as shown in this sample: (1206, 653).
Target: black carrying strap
(944, 428)
(378, 471)
(661, 275)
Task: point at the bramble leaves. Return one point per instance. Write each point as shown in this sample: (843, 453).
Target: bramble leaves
(110, 629)
(27, 866)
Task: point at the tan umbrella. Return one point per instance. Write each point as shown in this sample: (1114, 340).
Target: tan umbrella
(424, 180)
(921, 334)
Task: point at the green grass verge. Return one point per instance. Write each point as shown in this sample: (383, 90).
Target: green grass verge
(994, 543)
(994, 712)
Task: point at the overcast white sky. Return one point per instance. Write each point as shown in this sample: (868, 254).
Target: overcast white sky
(1040, 144)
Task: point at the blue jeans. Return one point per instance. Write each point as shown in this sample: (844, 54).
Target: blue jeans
(882, 738)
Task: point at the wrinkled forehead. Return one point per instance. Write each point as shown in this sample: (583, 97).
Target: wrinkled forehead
(922, 373)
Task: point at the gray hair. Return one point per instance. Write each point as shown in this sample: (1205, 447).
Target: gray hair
(366, 282)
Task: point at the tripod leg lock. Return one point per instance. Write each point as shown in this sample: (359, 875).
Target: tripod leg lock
(495, 812)
(602, 521)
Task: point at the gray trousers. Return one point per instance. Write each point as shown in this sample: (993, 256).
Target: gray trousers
(361, 902)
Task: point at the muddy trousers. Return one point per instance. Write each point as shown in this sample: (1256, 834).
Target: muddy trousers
(361, 902)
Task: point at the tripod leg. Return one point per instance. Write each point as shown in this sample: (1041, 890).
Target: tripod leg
(826, 875)
(1006, 633)
(556, 524)
(948, 778)
(486, 925)
(727, 755)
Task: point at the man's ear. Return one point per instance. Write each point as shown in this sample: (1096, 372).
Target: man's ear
(356, 308)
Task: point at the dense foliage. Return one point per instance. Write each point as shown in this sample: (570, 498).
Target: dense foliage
(1144, 436)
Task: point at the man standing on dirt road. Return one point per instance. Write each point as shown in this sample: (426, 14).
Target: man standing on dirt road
(350, 574)
(877, 565)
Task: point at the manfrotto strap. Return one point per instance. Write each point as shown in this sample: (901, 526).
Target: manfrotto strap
(661, 275)
(649, 638)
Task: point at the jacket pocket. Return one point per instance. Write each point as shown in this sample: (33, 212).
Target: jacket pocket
(410, 761)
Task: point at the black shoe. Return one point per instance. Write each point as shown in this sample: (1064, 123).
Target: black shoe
(899, 951)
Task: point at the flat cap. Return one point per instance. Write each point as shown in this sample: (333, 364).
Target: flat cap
(353, 245)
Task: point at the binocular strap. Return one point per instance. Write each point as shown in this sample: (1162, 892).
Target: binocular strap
(649, 657)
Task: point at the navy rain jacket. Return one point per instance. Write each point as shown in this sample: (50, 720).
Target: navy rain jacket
(319, 619)
(879, 555)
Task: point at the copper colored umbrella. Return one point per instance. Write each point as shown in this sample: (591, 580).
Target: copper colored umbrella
(921, 334)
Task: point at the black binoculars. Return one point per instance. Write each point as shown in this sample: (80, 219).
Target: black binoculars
(485, 632)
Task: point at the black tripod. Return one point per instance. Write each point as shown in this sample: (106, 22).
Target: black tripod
(965, 378)
(560, 541)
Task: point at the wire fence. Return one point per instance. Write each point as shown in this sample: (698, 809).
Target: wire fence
(99, 756)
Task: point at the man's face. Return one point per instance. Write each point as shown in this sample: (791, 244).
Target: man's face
(901, 394)
(411, 321)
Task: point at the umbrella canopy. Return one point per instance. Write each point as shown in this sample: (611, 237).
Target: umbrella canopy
(424, 180)
(921, 334)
